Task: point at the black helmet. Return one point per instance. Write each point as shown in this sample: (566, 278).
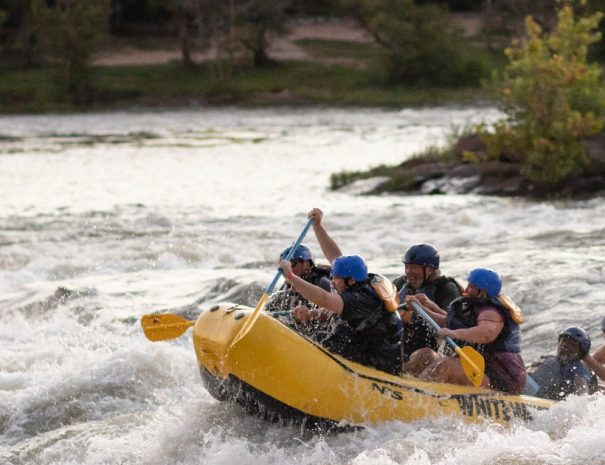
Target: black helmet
(302, 252)
(423, 255)
(578, 335)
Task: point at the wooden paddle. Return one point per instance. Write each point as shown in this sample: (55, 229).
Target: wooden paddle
(472, 361)
(261, 303)
(164, 326)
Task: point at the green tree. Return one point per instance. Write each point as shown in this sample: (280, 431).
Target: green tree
(70, 31)
(256, 21)
(505, 19)
(552, 98)
(17, 39)
(421, 47)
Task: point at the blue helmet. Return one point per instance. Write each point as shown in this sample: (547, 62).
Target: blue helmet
(350, 266)
(578, 335)
(302, 252)
(423, 255)
(487, 280)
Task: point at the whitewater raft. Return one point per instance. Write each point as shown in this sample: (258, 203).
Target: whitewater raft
(276, 373)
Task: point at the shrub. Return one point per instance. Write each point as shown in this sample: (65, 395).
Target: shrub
(552, 99)
(420, 45)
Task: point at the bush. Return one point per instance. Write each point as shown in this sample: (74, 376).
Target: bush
(552, 99)
(420, 45)
(69, 33)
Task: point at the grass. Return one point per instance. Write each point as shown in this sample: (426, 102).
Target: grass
(399, 180)
(292, 82)
(338, 49)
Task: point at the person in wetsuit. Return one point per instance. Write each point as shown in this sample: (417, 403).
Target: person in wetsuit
(558, 376)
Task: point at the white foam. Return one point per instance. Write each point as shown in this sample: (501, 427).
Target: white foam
(93, 236)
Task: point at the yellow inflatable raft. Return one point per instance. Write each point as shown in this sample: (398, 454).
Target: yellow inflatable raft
(275, 372)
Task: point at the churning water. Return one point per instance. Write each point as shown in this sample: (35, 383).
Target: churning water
(105, 217)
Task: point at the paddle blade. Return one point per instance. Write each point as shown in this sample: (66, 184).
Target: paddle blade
(161, 327)
(473, 364)
(251, 319)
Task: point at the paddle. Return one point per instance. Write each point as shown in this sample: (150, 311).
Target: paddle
(261, 303)
(472, 361)
(163, 326)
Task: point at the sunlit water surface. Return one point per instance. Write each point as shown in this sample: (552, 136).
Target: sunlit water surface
(105, 217)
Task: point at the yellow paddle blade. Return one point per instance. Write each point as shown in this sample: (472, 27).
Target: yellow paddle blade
(473, 364)
(251, 319)
(161, 327)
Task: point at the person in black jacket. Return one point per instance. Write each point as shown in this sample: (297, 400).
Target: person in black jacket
(303, 265)
(370, 333)
(424, 280)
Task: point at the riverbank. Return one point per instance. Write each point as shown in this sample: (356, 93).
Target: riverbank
(317, 63)
(289, 83)
(447, 171)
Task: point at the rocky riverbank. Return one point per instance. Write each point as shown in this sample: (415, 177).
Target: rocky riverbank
(455, 176)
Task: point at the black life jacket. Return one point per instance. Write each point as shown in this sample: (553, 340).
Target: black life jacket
(287, 298)
(417, 332)
(378, 324)
(434, 290)
(371, 335)
(556, 381)
(462, 314)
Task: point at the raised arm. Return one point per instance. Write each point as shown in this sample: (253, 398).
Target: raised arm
(329, 248)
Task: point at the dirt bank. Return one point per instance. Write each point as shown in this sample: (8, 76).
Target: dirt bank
(122, 52)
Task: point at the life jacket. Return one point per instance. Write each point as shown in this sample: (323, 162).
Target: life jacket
(375, 338)
(513, 309)
(462, 314)
(434, 290)
(417, 332)
(318, 275)
(287, 298)
(556, 381)
(379, 323)
(386, 290)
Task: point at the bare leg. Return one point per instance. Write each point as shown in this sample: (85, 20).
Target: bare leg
(449, 370)
(420, 360)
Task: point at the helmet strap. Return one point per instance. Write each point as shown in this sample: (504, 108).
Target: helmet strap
(430, 276)
(309, 267)
(424, 276)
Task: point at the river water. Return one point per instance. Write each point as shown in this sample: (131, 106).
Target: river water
(107, 216)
